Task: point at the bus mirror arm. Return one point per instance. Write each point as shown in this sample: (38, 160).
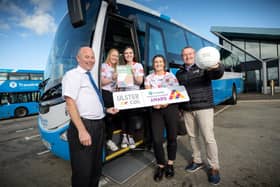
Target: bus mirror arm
(174, 65)
(43, 83)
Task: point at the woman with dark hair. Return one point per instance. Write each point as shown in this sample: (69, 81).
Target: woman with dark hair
(163, 116)
(128, 116)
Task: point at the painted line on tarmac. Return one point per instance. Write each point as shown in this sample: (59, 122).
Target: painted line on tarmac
(223, 109)
(103, 181)
(259, 100)
(26, 129)
(43, 152)
(5, 121)
(31, 137)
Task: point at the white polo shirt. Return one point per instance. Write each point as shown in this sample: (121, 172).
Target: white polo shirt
(76, 84)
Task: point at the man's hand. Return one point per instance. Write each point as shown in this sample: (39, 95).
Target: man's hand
(112, 110)
(85, 138)
(213, 67)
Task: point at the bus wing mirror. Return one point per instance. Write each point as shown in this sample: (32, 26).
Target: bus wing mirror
(174, 65)
(76, 9)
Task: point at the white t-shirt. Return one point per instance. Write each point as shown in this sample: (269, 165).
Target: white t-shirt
(76, 84)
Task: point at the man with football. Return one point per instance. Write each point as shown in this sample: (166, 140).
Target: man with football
(196, 76)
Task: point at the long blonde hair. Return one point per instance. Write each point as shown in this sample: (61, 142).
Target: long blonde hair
(108, 60)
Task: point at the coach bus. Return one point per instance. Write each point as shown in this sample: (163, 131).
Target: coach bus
(19, 92)
(103, 25)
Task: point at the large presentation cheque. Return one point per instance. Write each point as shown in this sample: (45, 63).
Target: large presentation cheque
(149, 97)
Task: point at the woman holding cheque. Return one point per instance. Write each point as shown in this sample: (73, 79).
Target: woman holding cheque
(165, 115)
(129, 116)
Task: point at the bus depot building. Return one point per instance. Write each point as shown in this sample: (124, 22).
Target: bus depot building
(258, 50)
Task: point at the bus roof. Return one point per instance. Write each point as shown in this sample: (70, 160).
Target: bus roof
(157, 14)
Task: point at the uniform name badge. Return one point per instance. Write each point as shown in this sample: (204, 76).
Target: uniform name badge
(149, 97)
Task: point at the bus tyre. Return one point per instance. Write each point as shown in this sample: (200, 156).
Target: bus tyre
(233, 99)
(20, 112)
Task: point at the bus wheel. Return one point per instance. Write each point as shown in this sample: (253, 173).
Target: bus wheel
(233, 99)
(20, 112)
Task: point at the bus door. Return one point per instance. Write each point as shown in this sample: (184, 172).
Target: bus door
(120, 33)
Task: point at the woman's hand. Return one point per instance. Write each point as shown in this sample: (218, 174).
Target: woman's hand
(163, 105)
(156, 106)
(114, 76)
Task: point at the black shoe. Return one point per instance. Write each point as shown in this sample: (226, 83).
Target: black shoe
(158, 174)
(169, 171)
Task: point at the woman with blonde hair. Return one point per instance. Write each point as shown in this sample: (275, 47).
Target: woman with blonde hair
(109, 85)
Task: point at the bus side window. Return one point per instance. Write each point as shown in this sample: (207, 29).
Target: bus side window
(4, 99)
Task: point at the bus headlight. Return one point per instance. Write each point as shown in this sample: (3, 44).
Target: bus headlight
(63, 136)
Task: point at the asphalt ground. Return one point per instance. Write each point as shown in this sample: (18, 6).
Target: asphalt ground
(247, 135)
(248, 140)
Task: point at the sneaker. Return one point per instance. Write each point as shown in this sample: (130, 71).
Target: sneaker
(112, 146)
(124, 143)
(213, 176)
(193, 167)
(131, 142)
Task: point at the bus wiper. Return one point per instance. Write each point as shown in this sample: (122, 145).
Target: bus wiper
(43, 83)
(52, 93)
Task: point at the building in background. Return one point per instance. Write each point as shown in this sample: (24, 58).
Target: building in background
(258, 50)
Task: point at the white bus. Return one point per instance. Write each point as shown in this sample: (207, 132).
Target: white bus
(103, 25)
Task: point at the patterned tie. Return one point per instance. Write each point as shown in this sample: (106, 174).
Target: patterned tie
(96, 89)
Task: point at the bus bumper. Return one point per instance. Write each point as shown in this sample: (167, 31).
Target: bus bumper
(53, 141)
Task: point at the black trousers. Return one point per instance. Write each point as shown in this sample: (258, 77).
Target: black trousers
(86, 161)
(160, 118)
(131, 120)
(109, 119)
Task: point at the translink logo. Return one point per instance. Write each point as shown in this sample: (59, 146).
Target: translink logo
(13, 84)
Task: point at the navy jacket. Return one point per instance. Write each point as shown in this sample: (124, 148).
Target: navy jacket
(198, 85)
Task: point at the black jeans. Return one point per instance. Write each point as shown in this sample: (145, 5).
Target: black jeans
(132, 120)
(109, 119)
(86, 161)
(160, 118)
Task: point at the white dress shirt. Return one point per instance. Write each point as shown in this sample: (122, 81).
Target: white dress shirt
(76, 84)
